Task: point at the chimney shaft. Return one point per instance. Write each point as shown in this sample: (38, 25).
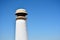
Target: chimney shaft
(21, 31)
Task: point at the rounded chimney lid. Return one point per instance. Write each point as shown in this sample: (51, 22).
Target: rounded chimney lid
(21, 11)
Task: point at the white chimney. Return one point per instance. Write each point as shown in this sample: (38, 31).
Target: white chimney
(21, 31)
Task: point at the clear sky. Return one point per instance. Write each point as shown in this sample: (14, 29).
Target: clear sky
(43, 20)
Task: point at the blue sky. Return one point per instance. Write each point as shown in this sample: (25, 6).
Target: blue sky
(43, 20)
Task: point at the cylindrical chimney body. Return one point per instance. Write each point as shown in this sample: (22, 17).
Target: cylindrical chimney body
(21, 31)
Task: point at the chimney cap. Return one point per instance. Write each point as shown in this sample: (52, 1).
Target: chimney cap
(21, 11)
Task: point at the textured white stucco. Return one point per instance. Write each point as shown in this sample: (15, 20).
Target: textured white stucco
(21, 32)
